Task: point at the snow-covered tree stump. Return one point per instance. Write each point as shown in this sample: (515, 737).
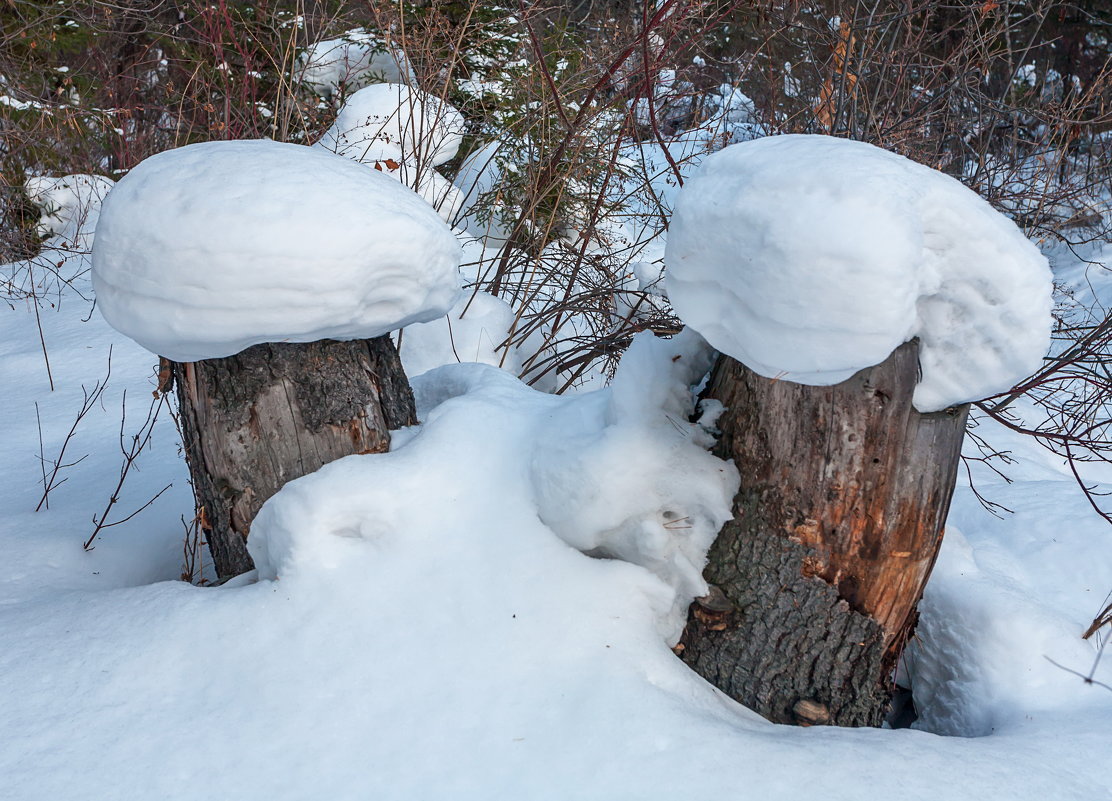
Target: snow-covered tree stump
(275, 412)
(869, 299)
(844, 493)
(270, 275)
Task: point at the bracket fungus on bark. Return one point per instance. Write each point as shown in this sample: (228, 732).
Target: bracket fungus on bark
(859, 301)
(270, 274)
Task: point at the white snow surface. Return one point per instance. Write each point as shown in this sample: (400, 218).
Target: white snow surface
(432, 634)
(394, 121)
(471, 332)
(434, 188)
(618, 473)
(432, 637)
(206, 250)
(811, 257)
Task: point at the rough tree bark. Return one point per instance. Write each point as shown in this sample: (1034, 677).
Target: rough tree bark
(275, 412)
(836, 527)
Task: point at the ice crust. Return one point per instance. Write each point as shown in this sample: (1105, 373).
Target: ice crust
(810, 257)
(206, 250)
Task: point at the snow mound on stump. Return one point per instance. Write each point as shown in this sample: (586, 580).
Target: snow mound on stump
(206, 250)
(810, 258)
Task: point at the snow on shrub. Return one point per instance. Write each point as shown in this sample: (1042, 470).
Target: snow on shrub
(69, 204)
(208, 249)
(389, 120)
(810, 258)
(404, 133)
(481, 184)
(351, 61)
(69, 207)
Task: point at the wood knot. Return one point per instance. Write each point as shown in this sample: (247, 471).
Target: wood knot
(810, 713)
(807, 532)
(713, 609)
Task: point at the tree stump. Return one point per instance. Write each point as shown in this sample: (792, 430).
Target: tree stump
(275, 412)
(844, 493)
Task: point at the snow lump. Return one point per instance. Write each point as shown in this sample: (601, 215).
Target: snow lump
(402, 132)
(811, 257)
(206, 250)
(69, 205)
(394, 121)
(351, 61)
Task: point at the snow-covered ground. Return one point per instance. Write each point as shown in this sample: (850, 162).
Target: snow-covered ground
(426, 624)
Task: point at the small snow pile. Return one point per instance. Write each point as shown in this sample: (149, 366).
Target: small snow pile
(621, 473)
(617, 473)
(671, 105)
(351, 61)
(478, 179)
(402, 132)
(208, 249)
(471, 332)
(810, 258)
(69, 205)
(392, 121)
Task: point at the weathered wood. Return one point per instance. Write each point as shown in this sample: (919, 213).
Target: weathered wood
(275, 412)
(844, 493)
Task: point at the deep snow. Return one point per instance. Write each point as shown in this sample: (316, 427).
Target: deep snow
(447, 643)
(427, 624)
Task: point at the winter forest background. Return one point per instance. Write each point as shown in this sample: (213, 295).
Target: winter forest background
(436, 622)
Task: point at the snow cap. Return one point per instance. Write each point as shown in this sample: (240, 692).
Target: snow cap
(206, 250)
(809, 258)
(393, 121)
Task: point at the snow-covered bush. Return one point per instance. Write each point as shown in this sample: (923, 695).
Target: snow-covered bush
(69, 208)
(339, 66)
(390, 120)
(402, 132)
